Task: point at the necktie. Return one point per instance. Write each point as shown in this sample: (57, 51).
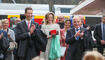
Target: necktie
(28, 25)
(77, 38)
(77, 30)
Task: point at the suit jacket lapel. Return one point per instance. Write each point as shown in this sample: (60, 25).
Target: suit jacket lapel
(31, 23)
(25, 25)
(73, 31)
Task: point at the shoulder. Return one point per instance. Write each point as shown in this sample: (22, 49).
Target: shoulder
(34, 22)
(21, 22)
(10, 30)
(98, 24)
(43, 25)
(57, 25)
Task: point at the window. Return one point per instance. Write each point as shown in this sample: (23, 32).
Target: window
(65, 10)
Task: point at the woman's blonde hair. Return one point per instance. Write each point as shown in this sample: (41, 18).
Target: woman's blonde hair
(46, 17)
(93, 55)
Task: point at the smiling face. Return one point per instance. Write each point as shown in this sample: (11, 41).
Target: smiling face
(49, 18)
(5, 24)
(67, 23)
(28, 14)
(77, 21)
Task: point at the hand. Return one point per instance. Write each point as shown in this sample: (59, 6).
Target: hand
(8, 35)
(81, 34)
(53, 35)
(102, 42)
(32, 28)
(88, 28)
(78, 33)
(1, 35)
(63, 37)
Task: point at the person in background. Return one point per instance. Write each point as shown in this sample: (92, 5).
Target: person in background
(4, 44)
(93, 55)
(1, 28)
(89, 29)
(77, 40)
(47, 27)
(17, 20)
(99, 35)
(61, 21)
(63, 33)
(11, 38)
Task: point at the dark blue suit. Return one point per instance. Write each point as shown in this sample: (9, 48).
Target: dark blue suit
(76, 47)
(98, 37)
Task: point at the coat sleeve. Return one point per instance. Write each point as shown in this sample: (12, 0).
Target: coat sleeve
(4, 44)
(70, 39)
(19, 34)
(96, 34)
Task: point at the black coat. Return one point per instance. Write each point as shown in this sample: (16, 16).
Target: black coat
(89, 33)
(98, 34)
(76, 47)
(98, 37)
(26, 43)
(4, 44)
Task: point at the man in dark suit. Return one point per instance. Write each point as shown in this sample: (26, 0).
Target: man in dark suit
(99, 35)
(26, 37)
(77, 40)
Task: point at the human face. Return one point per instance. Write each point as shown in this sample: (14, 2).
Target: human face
(77, 22)
(61, 19)
(28, 14)
(103, 20)
(50, 18)
(5, 25)
(67, 24)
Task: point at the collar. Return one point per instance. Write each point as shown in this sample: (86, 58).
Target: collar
(27, 21)
(77, 28)
(82, 26)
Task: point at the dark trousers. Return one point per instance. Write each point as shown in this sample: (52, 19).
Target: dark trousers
(21, 58)
(101, 48)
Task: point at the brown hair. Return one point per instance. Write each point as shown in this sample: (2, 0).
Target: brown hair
(46, 17)
(67, 20)
(28, 8)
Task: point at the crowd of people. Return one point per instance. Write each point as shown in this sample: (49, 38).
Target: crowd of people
(52, 40)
